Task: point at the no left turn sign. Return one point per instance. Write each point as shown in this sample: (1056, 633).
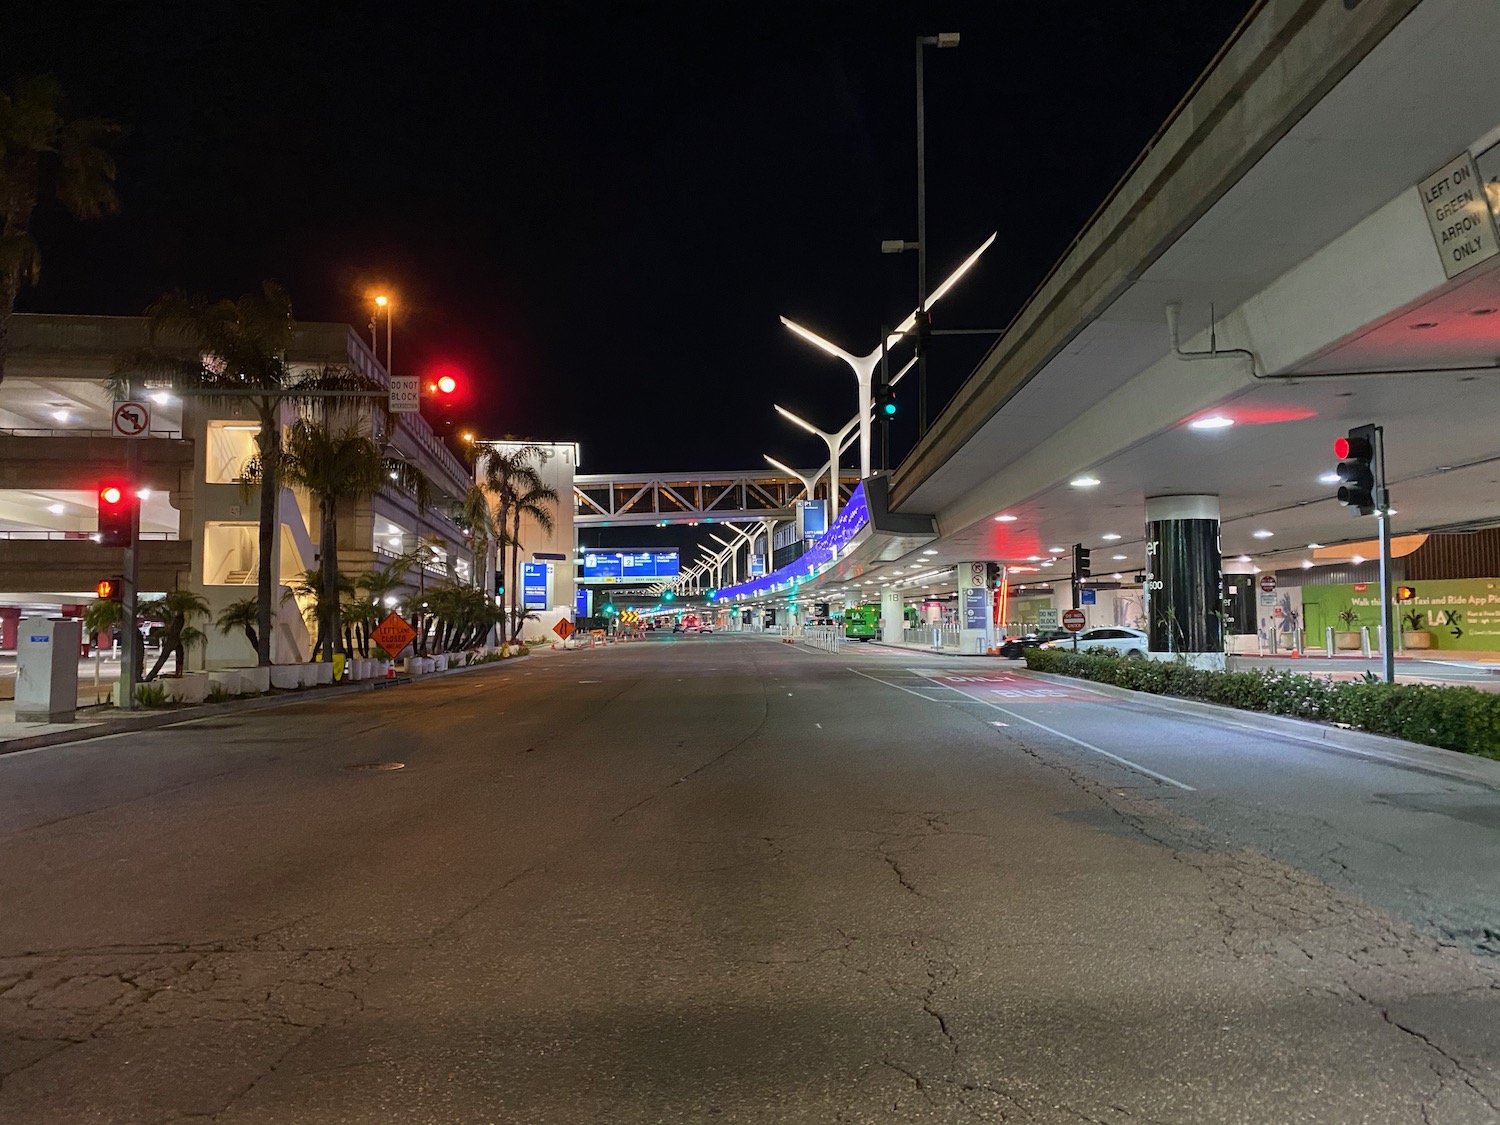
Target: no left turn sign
(131, 420)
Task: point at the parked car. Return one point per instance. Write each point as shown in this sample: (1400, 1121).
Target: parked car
(1113, 638)
(1014, 647)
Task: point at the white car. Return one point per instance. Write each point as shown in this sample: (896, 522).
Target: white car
(1111, 638)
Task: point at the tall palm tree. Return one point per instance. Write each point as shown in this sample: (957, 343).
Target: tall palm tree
(43, 154)
(535, 502)
(337, 467)
(507, 474)
(485, 535)
(236, 351)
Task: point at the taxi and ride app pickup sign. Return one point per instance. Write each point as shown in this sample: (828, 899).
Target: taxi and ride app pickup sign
(393, 634)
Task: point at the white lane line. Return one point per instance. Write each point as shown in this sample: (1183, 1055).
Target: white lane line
(590, 681)
(1042, 726)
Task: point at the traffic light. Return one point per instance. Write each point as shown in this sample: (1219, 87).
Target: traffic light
(668, 596)
(110, 589)
(1406, 593)
(884, 396)
(117, 508)
(1081, 561)
(499, 586)
(924, 327)
(712, 594)
(1356, 470)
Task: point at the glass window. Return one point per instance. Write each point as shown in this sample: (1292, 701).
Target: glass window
(231, 554)
(230, 446)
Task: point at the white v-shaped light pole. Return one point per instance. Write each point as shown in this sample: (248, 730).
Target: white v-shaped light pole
(835, 443)
(864, 366)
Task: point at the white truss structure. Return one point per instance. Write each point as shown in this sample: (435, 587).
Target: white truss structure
(639, 499)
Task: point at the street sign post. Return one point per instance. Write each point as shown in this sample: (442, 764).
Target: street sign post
(1268, 583)
(131, 420)
(393, 634)
(1046, 618)
(405, 391)
(1074, 620)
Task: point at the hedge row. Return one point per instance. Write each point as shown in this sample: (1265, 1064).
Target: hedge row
(1454, 718)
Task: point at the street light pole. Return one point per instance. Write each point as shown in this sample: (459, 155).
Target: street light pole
(864, 366)
(835, 443)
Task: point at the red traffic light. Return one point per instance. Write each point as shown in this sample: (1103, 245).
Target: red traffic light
(1341, 447)
(111, 494)
(447, 384)
(107, 589)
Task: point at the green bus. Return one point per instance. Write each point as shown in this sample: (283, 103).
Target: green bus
(862, 622)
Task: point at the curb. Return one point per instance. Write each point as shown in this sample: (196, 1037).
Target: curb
(113, 727)
(1355, 743)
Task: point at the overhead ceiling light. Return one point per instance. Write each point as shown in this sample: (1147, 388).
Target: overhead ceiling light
(1033, 558)
(1307, 564)
(1005, 519)
(1055, 550)
(144, 494)
(1262, 534)
(929, 551)
(161, 398)
(1357, 559)
(1244, 558)
(1084, 482)
(1109, 536)
(1212, 422)
(1314, 546)
(1118, 558)
(1118, 576)
(1049, 562)
(60, 415)
(1329, 478)
(56, 509)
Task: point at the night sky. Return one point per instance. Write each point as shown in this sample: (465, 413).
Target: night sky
(598, 210)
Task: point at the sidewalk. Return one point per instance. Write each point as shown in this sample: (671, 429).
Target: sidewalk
(101, 722)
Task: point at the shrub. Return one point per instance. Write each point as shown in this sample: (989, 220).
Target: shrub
(217, 694)
(151, 695)
(1453, 718)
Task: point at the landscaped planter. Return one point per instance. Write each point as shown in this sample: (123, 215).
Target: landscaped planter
(1346, 642)
(190, 687)
(322, 673)
(440, 662)
(286, 677)
(256, 681)
(229, 681)
(1419, 639)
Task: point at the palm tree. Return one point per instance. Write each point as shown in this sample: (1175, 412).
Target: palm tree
(241, 616)
(342, 466)
(535, 502)
(485, 534)
(176, 611)
(310, 587)
(44, 154)
(506, 475)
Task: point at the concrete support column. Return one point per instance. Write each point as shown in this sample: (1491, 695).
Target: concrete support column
(892, 621)
(1182, 574)
(975, 608)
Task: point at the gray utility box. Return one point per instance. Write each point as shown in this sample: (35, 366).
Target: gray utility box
(47, 670)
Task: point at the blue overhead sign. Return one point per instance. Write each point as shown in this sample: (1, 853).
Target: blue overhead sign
(533, 585)
(629, 566)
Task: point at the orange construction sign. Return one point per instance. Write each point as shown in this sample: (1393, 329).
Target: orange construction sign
(393, 634)
(564, 629)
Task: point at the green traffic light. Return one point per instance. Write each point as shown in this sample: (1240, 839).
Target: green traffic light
(889, 408)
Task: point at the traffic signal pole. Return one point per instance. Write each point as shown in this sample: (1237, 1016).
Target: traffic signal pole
(130, 597)
(1387, 605)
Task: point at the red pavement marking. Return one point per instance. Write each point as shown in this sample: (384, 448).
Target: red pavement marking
(1018, 689)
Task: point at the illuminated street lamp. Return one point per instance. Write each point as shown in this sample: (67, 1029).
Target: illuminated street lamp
(382, 302)
(835, 443)
(864, 366)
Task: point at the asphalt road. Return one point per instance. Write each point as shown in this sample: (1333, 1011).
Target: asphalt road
(725, 879)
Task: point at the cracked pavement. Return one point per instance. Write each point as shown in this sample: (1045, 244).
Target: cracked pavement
(670, 896)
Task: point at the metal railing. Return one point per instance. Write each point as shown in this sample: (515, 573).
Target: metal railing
(79, 536)
(829, 638)
(79, 431)
(932, 636)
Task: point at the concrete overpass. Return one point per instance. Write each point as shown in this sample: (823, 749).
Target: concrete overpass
(1281, 207)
